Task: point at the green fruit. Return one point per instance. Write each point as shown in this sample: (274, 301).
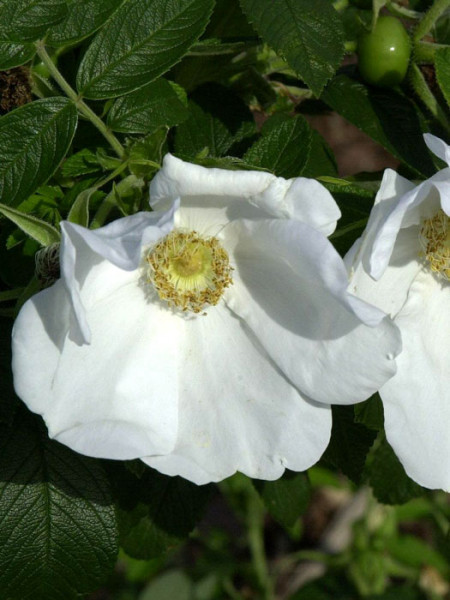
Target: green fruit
(383, 53)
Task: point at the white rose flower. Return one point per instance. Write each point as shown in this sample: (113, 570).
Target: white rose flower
(208, 336)
(402, 265)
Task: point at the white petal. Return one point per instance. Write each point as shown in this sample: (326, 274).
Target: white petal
(301, 199)
(116, 397)
(179, 179)
(389, 293)
(290, 287)
(237, 411)
(213, 197)
(417, 400)
(38, 337)
(438, 147)
(408, 210)
(392, 187)
(120, 242)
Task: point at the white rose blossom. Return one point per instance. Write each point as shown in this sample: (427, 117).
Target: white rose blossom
(402, 265)
(208, 336)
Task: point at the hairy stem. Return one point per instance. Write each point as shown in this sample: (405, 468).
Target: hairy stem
(255, 524)
(422, 90)
(82, 107)
(430, 18)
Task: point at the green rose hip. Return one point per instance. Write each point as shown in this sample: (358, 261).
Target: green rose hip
(383, 53)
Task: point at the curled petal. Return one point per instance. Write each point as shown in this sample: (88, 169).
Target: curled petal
(438, 147)
(423, 200)
(120, 242)
(222, 196)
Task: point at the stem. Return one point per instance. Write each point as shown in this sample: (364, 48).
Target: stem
(344, 230)
(430, 18)
(401, 11)
(8, 295)
(422, 90)
(103, 211)
(82, 107)
(255, 524)
(424, 52)
(111, 176)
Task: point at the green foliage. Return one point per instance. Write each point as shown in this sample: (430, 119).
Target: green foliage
(370, 413)
(308, 35)
(287, 498)
(83, 162)
(33, 141)
(37, 229)
(8, 403)
(217, 120)
(386, 116)
(143, 39)
(442, 63)
(390, 483)
(155, 512)
(28, 20)
(241, 80)
(145, 110)
(170, 585)
(58, 519)
(283, 147)
(83, 17)
(13, 55)
(350, 443)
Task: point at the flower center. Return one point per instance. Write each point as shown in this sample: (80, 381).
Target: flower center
(435, 241)
(189, 272)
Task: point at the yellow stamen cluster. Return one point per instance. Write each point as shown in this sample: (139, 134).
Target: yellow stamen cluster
(435, 241)
(189, 272)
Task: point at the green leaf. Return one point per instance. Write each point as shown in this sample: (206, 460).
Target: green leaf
(390, 483)
(287, 498)
(155, 512)
(58, 536)
(417, 553)
(350, 443)
(386, 116)
(218, 119)
(370, 413)
(82, 19)
(8, 400)
(401, 592)
(39, 230)
(33, 140)
(442, 64)
(308, 35)
(145, 110)
(14, 55)
(79, 212)
(321, 160)
(82, 163)
(28, 20)
(145, 155)
(331, 586)
(143, 39)
(228, 22)
(126, 195)
(172, 585)
(283, 147)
